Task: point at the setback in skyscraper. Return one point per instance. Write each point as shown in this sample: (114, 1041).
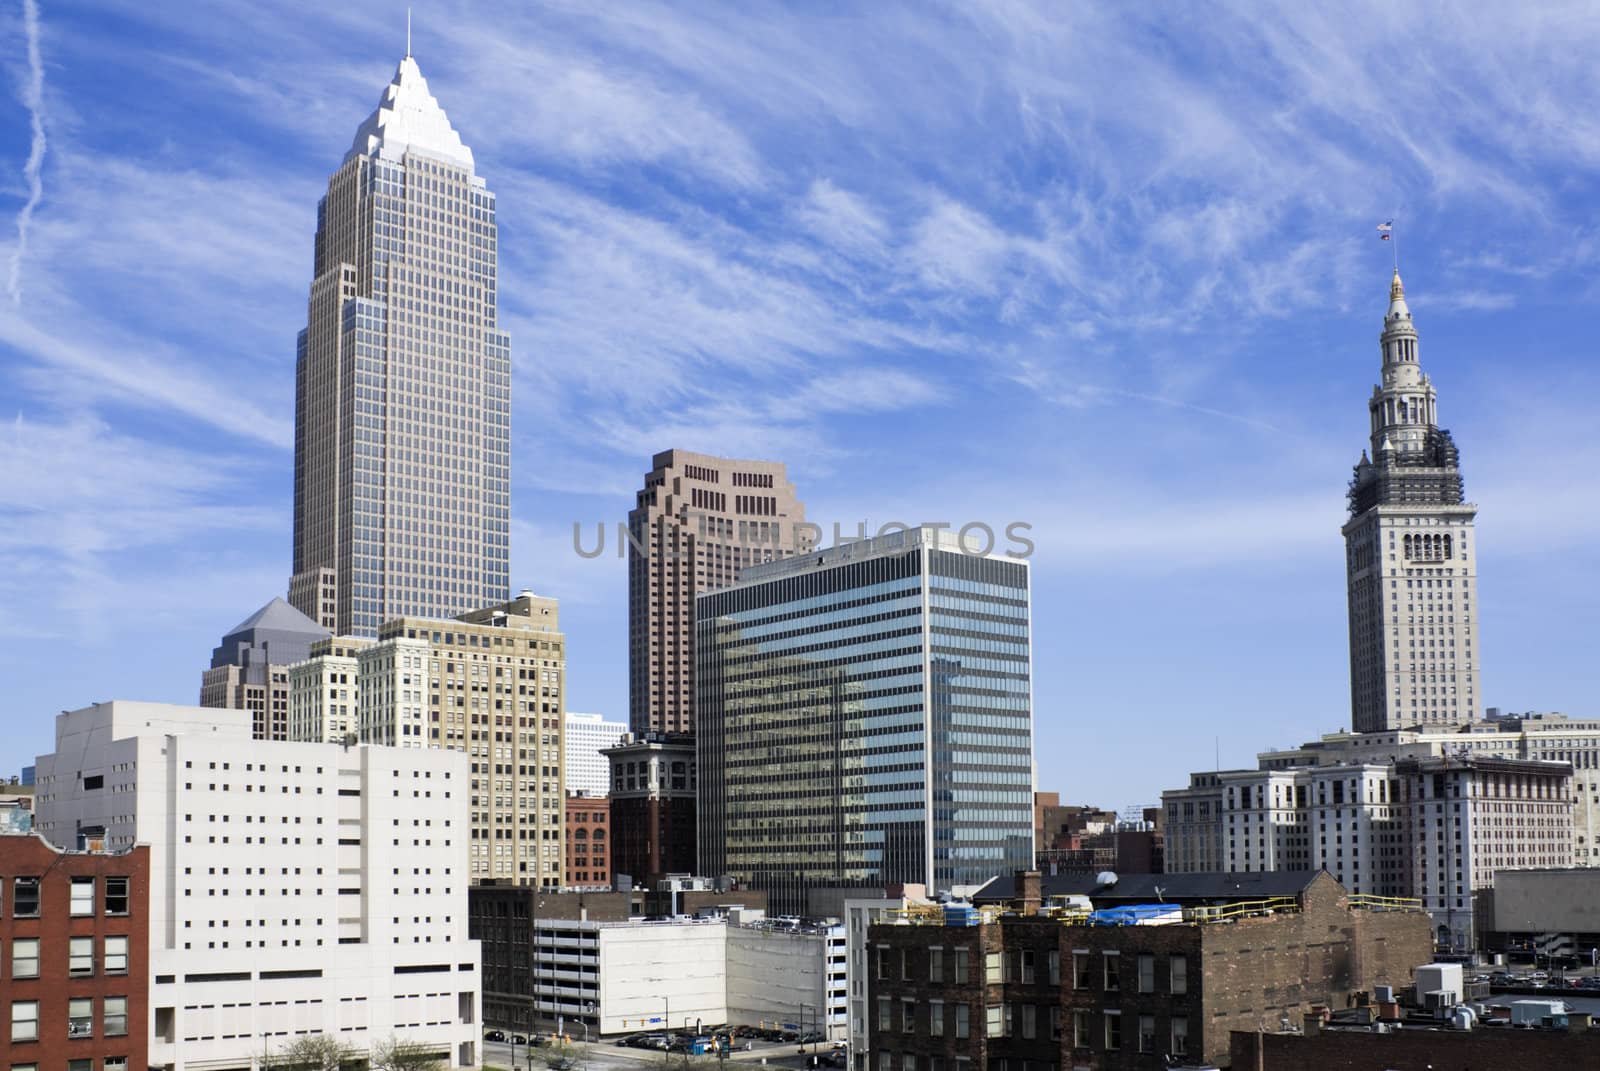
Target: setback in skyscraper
(402, 468)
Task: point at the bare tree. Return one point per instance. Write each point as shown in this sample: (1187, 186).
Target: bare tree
(397, 1054)
(558, 1056)
(312, 1052)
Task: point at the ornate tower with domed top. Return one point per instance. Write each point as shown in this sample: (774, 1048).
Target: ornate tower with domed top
(1410, 554)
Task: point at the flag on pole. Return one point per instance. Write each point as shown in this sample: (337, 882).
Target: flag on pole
(1384, 228)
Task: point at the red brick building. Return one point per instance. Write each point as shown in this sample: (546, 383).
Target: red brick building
(74, 957)
(1030, 986)
(1417, 1049)
(588, 842)
(653, 800)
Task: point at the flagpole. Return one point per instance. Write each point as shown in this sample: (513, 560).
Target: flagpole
(1395, 241)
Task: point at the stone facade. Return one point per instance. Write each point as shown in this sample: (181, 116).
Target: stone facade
(1410, 554)
(697, 521)
(1378, 826)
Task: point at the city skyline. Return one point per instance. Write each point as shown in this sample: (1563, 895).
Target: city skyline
(944, 280)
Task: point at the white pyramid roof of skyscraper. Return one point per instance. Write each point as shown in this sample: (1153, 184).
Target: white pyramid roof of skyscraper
(408, 117)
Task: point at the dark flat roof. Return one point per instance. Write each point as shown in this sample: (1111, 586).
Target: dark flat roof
(1158, 888)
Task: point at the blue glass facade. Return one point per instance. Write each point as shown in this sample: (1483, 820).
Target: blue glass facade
(864, 718)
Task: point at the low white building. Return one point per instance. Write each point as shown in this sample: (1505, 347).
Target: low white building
(624, 976)
(603, 976)
(787, 973)
(296, 888)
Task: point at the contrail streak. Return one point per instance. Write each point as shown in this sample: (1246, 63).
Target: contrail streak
(33, 100)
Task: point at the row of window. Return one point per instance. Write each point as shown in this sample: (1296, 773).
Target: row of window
(109, 1063)
(25, 897)
(80, 956)
(1024, 1021)
(80, 1018)
(1021, 966)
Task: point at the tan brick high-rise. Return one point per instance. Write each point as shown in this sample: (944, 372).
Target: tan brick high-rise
(699, 519)
(402, 500)
(491, 683)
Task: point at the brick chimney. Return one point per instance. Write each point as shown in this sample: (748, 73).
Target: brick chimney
(1029, 892)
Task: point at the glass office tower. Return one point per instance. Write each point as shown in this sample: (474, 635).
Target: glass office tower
(865, 718)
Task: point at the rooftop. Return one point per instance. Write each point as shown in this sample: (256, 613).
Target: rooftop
(280, 616)
(409, 118)
(886, 545)
(1158, 888)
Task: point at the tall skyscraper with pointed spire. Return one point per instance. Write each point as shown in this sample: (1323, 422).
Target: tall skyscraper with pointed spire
(1410, 554)
(402, 467)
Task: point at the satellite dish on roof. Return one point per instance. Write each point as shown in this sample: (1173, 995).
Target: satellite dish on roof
(1105, 878)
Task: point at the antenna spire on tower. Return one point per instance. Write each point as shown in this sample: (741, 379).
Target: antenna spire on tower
(408, 33)
(1386, 233)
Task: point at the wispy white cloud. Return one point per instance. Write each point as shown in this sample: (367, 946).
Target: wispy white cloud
(1470, 300)
(842, 220)
(143, 375)
(33, 169)
(89, 510)
(919, 252)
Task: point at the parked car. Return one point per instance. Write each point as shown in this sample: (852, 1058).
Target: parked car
(494, 1035)
(519, 1039)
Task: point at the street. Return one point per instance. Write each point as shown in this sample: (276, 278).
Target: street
(608, 1056)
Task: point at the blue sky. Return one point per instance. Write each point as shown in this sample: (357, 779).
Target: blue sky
(1104, 269)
